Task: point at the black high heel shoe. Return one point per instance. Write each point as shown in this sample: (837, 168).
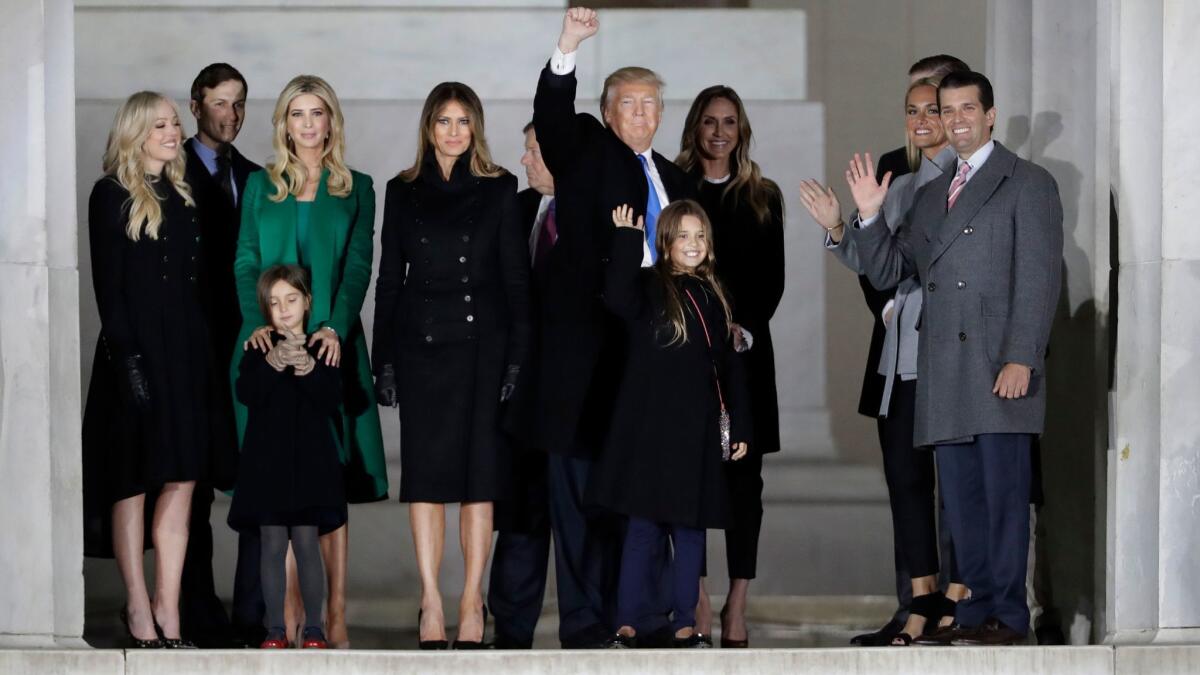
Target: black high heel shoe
(172, 643)
(475, 644)
(137, 642)
(727, 643)
(428, 644)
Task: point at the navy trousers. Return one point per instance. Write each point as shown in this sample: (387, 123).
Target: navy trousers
(641, 581)
(986, 486)
(517, 585)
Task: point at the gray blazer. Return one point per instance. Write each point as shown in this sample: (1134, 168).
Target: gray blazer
(898, 356)
(990, 270)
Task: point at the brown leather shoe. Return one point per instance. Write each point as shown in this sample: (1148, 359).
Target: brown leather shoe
(943, 636)
(992, 633)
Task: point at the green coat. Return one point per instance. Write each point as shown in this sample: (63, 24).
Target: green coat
(341, 241)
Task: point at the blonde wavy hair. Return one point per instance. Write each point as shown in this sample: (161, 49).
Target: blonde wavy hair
(443, 95)
(287, 173)
(124, 161)
(667, 228)
(747, 182)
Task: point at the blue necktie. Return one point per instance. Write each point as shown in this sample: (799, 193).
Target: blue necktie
(653, 207)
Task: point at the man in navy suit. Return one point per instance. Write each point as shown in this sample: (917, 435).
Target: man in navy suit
(217, 174)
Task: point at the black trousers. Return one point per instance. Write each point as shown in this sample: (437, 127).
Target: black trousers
(249, 607)
(745, 501)
(202, 615)
(517, 585)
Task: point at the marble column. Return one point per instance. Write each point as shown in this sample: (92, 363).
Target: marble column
(41, 559)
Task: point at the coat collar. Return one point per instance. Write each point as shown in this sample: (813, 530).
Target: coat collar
(999, 166)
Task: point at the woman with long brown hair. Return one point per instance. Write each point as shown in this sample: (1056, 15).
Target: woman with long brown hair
(746, 210)
(154, 420)
(308, 208)
(451, 332)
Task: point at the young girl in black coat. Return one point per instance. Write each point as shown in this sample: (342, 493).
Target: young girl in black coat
(290, 478)
(662, 461)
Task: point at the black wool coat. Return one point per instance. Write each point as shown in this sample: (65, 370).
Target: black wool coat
(750, 264)
(290, 471)
(451, 314)
(662, 456)
(220, 220)
(150, 303)
(580, 346)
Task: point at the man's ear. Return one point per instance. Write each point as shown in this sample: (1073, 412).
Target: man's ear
(194, 106)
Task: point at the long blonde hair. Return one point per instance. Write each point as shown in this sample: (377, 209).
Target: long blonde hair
(287, 173)
(667, 227)
(442, 95)
(747, 182)
(123, 161)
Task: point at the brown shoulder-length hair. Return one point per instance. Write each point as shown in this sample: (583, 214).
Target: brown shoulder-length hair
(296, 276)
(746, 181)
(441, 96)
(667, 228)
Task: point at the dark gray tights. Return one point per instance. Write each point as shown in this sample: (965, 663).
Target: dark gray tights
(309, 566)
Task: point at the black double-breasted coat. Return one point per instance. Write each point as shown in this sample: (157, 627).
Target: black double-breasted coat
(151, 305)
(580, 346)
(451, 315)
(662, 456)
(290, 471)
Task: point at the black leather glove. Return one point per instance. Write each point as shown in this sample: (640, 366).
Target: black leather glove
(386, 393)
(135, 379)
(509, 385)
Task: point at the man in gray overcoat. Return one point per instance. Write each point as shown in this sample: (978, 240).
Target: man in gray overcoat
(985, 240)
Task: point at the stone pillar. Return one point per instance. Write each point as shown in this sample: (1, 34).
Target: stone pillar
(1044, 60)
(40, 496)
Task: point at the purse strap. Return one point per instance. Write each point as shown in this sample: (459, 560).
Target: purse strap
(708, 339)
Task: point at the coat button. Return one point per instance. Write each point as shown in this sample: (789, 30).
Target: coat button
(968, 230)
(470, 318)
(466, 237)
(462, 258)
(424, 240)
(426, 282)
(164, 258)
(466, 298)
(165, 238)
(961, 285)
(465, 279)
(932, 287)
(164, 277)
(962, 337)
(428, 299)
(192, 278)
(429, 338)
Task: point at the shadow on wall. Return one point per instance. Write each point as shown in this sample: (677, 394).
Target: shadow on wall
(1070, 451)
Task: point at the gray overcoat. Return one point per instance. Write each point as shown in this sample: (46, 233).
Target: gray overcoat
(990, 270)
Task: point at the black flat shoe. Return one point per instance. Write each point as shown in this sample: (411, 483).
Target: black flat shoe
(619, 641)
(879, 638)
(428, 645)
(693, 641)
(474, 644)
(137, 642)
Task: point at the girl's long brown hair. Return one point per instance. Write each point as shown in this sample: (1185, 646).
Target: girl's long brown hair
(669, 222)
(746, 181)
(441, 96)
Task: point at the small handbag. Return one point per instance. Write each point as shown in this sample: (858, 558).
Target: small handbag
(723, 419)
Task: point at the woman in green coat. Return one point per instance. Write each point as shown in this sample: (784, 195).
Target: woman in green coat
(308, 208)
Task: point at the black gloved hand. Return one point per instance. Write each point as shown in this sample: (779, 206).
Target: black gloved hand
(509, 385)
(135, 379)
(386, 393)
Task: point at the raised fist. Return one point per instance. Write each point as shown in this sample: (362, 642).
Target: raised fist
(579, 24)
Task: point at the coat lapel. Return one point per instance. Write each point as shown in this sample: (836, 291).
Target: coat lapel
(977, 192)
(321, 248)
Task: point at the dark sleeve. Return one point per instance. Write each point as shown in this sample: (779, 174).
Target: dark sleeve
(514, 268)
(257, 380)
(886, 257)
(558, 129)
(323, 386)
(876, 298)
(110, 248)
(624, 294)
(768, 279)
(392, 263)
(734, 388)
(1036, 272)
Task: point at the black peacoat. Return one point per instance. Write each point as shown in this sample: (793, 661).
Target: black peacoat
(150, 303)
(580, 345)
(290, 471)
(662, 456)
(750, 264)
(451, 315)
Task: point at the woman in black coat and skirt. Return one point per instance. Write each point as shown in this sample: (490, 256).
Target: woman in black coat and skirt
(451, 332)
(746, 210)
(662, 461)
(156, 418)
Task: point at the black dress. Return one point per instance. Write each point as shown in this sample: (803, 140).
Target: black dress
(451, 314)
(290, 471)
(750, 265)
(662, 457)
(150, 305)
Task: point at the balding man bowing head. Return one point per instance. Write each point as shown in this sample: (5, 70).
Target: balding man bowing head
(597, 166)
